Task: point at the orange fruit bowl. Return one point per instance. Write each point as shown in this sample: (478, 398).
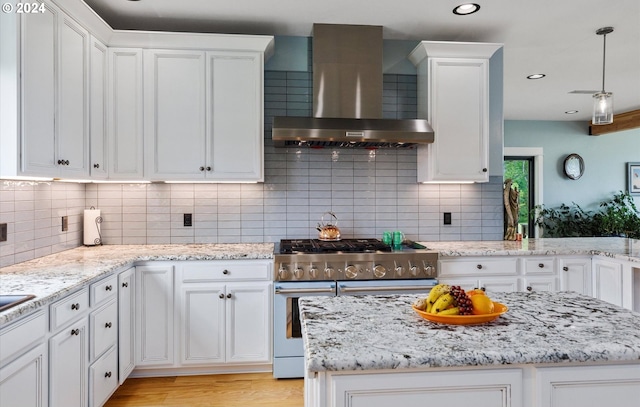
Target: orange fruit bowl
(498, 309)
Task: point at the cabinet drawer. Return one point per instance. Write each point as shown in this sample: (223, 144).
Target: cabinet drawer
(478, 267)
(103, 325)
(103, 378)
(225, 271)
(539, 265)
(69, 308)
(104, 289)
(21, 335)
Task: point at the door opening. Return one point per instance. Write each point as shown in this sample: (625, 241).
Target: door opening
(521, 171)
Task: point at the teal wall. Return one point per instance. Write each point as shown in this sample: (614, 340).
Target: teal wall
(605, 159)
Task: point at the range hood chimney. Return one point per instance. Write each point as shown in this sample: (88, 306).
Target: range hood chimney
(347, 96)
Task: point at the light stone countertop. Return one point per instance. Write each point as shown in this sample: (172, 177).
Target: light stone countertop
(51, 277)
(613, 247)
(383, 332)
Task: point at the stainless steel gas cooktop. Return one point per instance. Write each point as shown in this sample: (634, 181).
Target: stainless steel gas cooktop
(351, 259)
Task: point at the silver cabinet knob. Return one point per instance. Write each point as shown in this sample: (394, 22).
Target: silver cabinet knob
(565, 268)
(529, 288)
(229, 295)
(221, 296)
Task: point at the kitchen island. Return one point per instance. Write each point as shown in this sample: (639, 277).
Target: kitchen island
(549, 349)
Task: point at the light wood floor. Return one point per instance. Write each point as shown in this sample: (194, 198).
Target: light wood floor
(228, 390)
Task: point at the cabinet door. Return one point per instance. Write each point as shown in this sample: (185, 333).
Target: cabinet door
(72, 126)
(103, 380)
(68, 366)
(103, 325)
(154, 315)
(39, 33)
(125, 114)
(540, 284)
(499, 284)
(248, 323)
(126, 323)
(23, 382)
(575, 275)
(458, 113)
(174, 94)
(607, 281)
(98, 110)
(234, 119)
(202, 330)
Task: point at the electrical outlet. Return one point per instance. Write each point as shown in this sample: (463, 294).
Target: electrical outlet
(447, 218)
(188, 219)
(65, 223)
(3, 232)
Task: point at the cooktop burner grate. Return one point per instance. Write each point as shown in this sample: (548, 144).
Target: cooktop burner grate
(292, 246)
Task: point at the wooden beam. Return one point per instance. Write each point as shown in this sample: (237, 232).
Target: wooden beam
(622, 121)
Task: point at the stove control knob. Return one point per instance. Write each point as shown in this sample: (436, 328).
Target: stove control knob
(351, 272)
(379, 271)
(298, 273)
(329, 272)
(399, 271)
(414, 270)
(428, 269)
(313, 272)
(283, 273)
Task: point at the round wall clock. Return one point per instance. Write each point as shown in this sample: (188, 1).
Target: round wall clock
(573, 166)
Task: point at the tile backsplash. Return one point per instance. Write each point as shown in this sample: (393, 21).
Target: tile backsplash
(370, 191)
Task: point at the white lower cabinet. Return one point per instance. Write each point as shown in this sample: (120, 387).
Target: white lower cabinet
(126, 323)
(222, 320)
(23, 382)
(24, 363)
(154, 315)
(68, 356)
(486, 388)
(607, 279)
(575, 274)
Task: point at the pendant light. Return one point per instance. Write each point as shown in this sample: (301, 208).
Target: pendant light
(603, 101)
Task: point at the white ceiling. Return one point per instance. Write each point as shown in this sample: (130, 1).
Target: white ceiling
(555, 37)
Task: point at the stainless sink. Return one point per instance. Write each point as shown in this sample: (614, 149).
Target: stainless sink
(9, 300)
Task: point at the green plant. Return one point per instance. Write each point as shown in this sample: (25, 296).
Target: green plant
(615, 217)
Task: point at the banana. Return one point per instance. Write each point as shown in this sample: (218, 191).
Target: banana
(442, 303)
(436, 292)
(450, 311)
(420, 304)
(429, 306)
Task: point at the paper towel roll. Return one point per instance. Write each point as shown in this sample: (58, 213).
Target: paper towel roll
(92, 221)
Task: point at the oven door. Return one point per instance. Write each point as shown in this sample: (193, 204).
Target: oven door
(288, 350)
(386, 287)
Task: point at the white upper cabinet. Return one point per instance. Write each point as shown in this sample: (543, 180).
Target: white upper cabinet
(174, 95)
(125, 124)
(203, 115)
(235, 118)
(98, 110)
(54, 90)
(453, 95)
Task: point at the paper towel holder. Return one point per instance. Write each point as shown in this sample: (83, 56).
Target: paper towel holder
(97, 222)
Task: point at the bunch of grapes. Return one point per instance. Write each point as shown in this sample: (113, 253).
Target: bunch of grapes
(461, 300)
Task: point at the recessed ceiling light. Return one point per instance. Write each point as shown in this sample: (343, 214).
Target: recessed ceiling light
(466, 9)
(571, 112)
(536, 76)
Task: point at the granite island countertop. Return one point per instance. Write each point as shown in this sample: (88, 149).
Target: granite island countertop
(51, 277)
(383, 332)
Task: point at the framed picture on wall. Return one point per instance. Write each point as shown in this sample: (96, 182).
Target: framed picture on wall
(633, 178)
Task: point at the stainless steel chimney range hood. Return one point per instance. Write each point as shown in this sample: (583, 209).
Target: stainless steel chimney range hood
(347, 96)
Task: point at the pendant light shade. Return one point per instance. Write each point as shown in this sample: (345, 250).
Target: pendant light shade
(602, 108)
(603, 101)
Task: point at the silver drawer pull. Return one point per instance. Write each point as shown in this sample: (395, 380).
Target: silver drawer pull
(304, 290)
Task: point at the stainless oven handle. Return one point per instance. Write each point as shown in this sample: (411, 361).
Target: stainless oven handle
(346, 289)
(305, 290)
